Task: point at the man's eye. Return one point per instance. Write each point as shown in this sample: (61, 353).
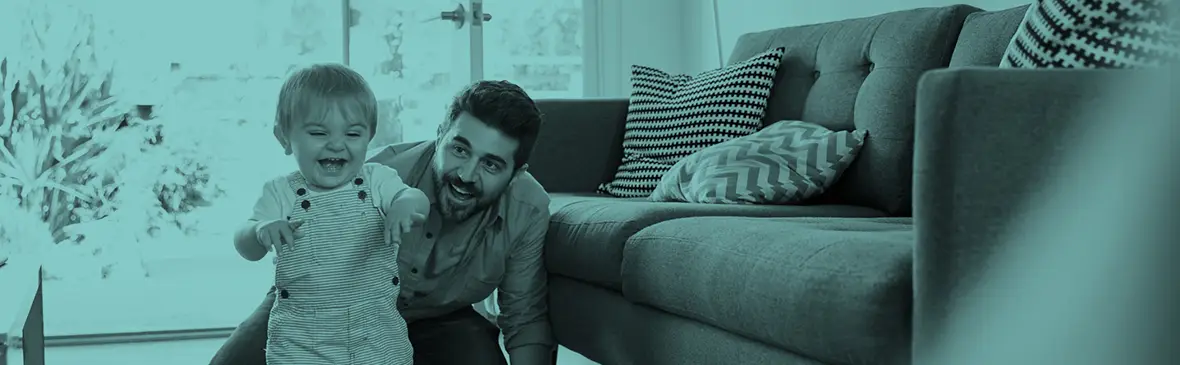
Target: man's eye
(491, 166)
(460, 151)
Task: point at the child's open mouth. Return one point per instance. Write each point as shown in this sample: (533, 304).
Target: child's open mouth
(333, 164)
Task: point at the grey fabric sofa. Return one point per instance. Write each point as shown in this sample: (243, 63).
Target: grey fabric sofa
(828, 282)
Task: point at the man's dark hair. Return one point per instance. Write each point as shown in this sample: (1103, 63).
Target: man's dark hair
(503, 106)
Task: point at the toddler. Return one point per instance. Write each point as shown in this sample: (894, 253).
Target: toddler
(335, 226)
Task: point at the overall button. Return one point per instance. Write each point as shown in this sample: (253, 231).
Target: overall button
(305, 204)
(284, 294)
(396, 280)
(358, 181)
(300, 191)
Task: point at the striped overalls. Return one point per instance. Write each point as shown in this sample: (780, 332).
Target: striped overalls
(337, 286)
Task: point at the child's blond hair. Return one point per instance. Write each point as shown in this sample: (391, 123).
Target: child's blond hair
(310, 92)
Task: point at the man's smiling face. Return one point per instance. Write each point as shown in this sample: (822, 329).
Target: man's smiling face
(473, 165)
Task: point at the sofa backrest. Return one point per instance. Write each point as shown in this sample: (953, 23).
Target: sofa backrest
(861, 74)
(985, 36)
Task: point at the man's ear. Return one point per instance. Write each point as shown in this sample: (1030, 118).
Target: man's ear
(520, 171)
(278, 132)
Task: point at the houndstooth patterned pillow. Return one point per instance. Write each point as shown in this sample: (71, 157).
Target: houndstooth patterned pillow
(786, 163)
(1093, 34)
(673, 116)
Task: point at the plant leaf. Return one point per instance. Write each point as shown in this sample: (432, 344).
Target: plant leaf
(65, 189)
(11, 167)
(10, 181)
(56, 147)
(79, 151)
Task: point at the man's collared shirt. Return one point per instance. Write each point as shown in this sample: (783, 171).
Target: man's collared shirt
(498, 248)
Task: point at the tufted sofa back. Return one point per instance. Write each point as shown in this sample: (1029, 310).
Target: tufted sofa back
(861, 74)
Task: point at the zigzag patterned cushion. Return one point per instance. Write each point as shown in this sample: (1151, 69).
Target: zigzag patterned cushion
(673, 116)
(1093, 34)
(785, 163)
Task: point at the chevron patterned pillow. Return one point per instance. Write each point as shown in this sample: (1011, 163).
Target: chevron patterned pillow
(785, 163)
(672, 116)
(1093, 34)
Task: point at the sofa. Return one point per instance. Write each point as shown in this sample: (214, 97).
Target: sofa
(830, 281)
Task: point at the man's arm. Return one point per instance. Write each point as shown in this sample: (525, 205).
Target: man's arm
(523, 297)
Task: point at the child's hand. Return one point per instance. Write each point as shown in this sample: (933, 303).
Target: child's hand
(274, 234)
(400, 221)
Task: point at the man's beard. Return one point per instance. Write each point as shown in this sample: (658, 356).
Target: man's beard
(449, 206)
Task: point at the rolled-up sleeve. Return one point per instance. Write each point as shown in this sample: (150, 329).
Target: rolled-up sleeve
(523, 294)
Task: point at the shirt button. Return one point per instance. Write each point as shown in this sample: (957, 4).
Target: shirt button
(429, 235)
(414, 270)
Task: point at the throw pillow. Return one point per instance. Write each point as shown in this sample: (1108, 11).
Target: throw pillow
(785, 163)
(1093, 34)
(672, 116)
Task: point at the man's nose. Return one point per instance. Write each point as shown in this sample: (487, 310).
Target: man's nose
(467, 171)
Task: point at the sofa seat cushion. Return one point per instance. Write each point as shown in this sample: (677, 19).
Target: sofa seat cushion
(835, 289)
(587, 231)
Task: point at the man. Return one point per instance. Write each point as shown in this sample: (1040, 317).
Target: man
(485, 231)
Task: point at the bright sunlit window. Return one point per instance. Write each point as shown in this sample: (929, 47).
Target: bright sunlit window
(134, 214)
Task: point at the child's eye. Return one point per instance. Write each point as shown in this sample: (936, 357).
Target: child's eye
(354, 134)
(317, 133)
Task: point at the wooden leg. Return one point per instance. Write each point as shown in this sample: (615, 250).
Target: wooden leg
(34, 331)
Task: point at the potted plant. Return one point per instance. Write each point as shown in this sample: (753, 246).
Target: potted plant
(61, 127)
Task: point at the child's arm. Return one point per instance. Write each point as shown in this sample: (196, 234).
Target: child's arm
(390, 192)
(268, 207)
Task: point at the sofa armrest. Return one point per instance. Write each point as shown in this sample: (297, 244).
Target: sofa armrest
(986, 140)
(580, 144)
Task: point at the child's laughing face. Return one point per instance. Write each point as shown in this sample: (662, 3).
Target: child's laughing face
(331, 149)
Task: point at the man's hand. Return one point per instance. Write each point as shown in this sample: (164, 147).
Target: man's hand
(274, 234)
(399, 221)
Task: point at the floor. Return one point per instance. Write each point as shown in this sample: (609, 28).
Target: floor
(193, 352)
(184, 294)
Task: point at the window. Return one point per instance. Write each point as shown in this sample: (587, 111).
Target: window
(156, 252)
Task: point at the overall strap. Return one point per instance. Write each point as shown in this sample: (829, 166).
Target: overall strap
(296, 181)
